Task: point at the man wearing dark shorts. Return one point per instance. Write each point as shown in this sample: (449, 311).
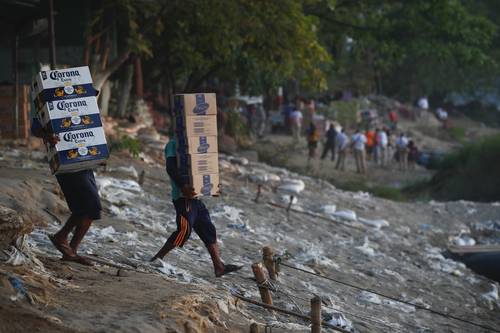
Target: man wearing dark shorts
(80, 190)
(191, 215)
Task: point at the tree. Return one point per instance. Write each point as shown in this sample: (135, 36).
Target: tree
(261, 43)
(406, 48)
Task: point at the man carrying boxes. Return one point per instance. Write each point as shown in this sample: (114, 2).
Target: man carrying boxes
(193, 166)
(67, 119)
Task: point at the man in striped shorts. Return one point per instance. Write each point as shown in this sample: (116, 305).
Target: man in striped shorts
(191, 215)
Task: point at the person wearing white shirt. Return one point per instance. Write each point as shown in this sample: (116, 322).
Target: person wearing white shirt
(358, 143)
(342, 141)
(402, 150)
(381, 148)
(296, 122)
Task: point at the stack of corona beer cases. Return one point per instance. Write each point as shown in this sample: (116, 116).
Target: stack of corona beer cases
(196, 135)
(66, 105)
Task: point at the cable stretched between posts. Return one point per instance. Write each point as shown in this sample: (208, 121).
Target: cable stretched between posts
(420, 307)
(379, 322)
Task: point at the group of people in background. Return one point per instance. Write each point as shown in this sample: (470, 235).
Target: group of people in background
(378, 145)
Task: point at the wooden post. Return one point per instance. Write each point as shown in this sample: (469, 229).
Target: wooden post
(254, 328)
(316, 314)
(52, 36)
(265, 293)
(268, 259)
(289, 206)
(259, 188)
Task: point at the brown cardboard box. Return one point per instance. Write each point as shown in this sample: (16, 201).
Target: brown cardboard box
(188, 105)
(198, 126)
(204, 164)
(206, 184)
(198, 145)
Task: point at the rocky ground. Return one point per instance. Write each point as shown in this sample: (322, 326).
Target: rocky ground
(388, 247)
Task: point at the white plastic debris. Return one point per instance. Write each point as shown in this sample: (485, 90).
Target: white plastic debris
(491, 297)
(366, 248)
(258, 178)
(338, 319)
(463, 239)
(292, 186)
(107, 233)
(329, 209)
(286, 199)
(15, 257)
(377, 224)
(346, 215)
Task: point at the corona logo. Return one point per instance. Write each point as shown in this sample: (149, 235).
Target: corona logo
(75, 137)
(59, 76)
(65, 105)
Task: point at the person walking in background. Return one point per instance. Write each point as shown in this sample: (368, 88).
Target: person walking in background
(342, 142)
(296, 123)
(381, 147)
(393, 119)
(370, 143)
(359, 148)
(313, 136)
(331, 136)
(402, 152)
(412, 155)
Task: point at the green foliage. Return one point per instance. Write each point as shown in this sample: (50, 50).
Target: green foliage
(132, 145)
(471, 173)
(408, 48)
(458, 133)
(259, 43)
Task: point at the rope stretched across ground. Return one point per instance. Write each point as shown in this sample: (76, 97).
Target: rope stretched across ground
(420, 307)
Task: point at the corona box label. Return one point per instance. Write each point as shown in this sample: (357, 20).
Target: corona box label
(70, 115)
(62, 78)
(78, 150)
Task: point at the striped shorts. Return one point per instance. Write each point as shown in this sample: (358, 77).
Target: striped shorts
(192, 214)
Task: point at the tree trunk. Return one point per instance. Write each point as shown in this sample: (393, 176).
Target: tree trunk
(104, 98)
(125, 87)
(139, 85)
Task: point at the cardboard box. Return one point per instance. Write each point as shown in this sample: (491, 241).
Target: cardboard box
(78, 150)
(196, 126)
(188, 105)
(63, 93)
(206, 184)
(62, 78)
(197, 164)
(197, 145)
(70, 115)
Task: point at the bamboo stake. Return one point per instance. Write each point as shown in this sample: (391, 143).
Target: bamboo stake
(316, 314)
(268, 258)
(265, 294)
(254, 328)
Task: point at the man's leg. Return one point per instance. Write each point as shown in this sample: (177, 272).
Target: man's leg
(207, 232)
(326, 147)
(357, 159)
(185, 219)
(81, 229)
(60, 238)
(342, 157)
(333, 152)
(363, 162)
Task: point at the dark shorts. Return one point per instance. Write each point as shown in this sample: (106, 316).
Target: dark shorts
(81, 193)
(192, 214)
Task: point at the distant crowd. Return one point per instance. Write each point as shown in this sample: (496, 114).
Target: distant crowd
(384, 145)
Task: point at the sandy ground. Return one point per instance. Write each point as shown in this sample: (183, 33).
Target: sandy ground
(401, 257)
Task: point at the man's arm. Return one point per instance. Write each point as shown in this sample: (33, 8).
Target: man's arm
(182, 181)
(38, 131)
